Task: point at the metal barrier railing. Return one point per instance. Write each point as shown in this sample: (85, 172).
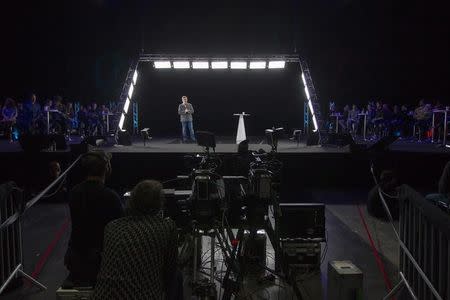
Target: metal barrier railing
(425, 232)
(424, 241)
(12, 207)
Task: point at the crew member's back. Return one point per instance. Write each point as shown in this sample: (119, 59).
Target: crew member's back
(92, 206)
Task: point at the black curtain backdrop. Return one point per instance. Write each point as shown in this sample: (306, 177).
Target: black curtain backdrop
(271, 97)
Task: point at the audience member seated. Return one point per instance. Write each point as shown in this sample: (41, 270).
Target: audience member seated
(9, 116)
(422, 117)
(92, 206)
(140, 251)
(353, 119)
(442, 198)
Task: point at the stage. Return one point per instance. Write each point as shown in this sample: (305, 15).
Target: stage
(227, 144)
(418, 164)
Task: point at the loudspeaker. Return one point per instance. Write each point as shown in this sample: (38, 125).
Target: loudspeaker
(34, 143)
(124, 138)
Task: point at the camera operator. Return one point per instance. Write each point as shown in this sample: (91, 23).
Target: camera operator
(92, 206)
(140, 252)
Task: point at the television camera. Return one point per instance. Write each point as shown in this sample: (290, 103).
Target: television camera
(237, 212)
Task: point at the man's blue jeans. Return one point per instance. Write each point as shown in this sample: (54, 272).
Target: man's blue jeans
(187, 126)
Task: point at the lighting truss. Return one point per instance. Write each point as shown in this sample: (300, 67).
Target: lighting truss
(135, 75)
(122, 119)
(310, 105)
(126, 106)
(170, 61)
(130, 91)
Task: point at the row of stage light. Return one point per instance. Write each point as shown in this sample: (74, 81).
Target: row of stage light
(219, 64)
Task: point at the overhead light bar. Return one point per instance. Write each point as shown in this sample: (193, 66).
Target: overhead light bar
(257, 65)
(135, 75)
(303, 78)
(277, 64)
(127, 105)
(238, 65)
(219, 65)
(200, 65)
(181, 65)
(130, 91)
(122, 119)
(162, 64)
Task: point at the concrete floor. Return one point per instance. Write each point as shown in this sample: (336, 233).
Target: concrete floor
(347, 240)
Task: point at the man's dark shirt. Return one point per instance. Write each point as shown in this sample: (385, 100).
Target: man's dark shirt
(92, 206)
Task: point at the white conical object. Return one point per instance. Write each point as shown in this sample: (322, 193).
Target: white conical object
(241, 134)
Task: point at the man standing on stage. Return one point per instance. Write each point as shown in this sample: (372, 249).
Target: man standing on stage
(185, 110)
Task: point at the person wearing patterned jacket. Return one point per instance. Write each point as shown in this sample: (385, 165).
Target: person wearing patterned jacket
(140, 250)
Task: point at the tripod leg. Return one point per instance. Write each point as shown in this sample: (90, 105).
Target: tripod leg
(213, 240)
(194, 267)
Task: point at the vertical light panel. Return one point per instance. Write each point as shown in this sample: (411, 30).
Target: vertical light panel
(135, 75)
(130, 91)
(303, 78)
(122, 119)
(127, 105)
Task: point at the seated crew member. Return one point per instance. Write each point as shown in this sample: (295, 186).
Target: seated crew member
(140, 251)
(442, 198)
(92, 206)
